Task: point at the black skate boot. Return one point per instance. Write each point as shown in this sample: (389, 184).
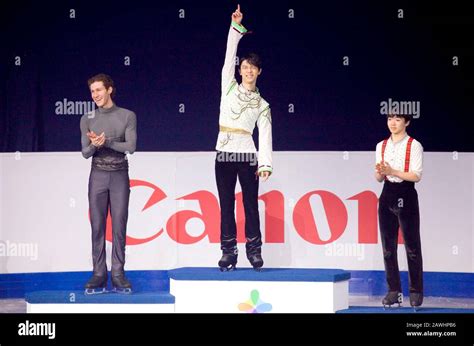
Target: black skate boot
(121, 284)
(256, 261)
(96, 285)
(228, 260)
(416, 299)
(391, 298)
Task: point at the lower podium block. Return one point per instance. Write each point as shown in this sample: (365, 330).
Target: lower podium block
(202, 290)
(78, 302)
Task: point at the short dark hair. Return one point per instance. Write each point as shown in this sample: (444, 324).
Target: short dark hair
(104, 78)
(252, 59)
(407, 117)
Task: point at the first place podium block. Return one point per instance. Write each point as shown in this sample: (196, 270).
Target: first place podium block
(279, 290)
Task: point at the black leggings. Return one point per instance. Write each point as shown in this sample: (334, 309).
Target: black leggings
(398, 207)
(227, 169)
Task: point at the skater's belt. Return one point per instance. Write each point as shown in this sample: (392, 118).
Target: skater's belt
(233, 130)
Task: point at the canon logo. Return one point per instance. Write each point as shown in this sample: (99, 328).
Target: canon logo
(303, 218)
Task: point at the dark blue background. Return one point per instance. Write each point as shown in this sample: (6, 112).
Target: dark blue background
(176, 61)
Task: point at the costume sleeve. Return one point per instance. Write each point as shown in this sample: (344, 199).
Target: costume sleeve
(236, 32)
(87, 148)
(416, 159)
(264, 123)
(130, 144)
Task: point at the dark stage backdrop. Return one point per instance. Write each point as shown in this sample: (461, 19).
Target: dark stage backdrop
(327, 66)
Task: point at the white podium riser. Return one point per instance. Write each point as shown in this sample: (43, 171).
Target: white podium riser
(100, 308)
(285, 297)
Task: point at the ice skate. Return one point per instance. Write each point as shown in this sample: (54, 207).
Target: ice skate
(392, 297)
(121, 284)
(96, 285)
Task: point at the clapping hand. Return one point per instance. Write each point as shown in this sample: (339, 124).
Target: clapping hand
(96, 141)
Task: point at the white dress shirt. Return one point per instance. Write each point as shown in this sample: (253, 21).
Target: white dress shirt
(395, 153)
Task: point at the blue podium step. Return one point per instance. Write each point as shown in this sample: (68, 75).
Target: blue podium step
(266, 274)
(403, 310)
(77, 301)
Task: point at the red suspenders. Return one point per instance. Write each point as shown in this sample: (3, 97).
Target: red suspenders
(407, 155)
(384, 145)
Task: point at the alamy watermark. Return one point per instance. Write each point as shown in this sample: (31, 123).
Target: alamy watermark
(28, 328)
(67, 107)
(401, 107)
(345, 250)
(224, 156)
(12, 249)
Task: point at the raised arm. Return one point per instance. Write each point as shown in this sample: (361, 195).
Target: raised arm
(235, 34)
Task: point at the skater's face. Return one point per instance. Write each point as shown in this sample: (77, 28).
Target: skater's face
(100, 94)
(249, 72)
(397, 125)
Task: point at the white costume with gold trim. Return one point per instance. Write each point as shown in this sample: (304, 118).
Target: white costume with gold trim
(241, 109)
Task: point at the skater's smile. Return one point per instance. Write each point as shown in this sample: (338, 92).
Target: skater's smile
(249, 72)
(101, 95)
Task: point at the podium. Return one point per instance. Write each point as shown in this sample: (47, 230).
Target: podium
(279, 290)
(110, 302)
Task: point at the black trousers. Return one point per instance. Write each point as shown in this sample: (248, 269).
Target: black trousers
(108, 189)
(227, 169)
(398, 207)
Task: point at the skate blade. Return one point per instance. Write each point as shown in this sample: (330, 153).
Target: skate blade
(389, 306)
(227, 269)
(123, 290)
(258, 269)
(93, 291)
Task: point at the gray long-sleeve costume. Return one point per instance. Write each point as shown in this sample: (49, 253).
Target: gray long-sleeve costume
(109, 184)
(120, 128)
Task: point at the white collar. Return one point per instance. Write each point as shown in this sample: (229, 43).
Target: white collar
(399, 141)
